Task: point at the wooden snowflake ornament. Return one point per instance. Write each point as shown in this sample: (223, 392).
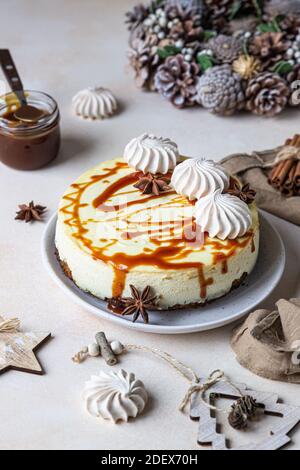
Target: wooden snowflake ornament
(289, 417)
(17, 350)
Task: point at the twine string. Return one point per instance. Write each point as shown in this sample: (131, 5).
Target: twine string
(195, 386)
(286, 153)
(9, 326)
(181, 368)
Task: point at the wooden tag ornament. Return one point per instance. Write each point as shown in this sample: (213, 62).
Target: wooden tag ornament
(288, 417)
(17, 349)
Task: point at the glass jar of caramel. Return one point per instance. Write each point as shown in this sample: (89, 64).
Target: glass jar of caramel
(29, 145)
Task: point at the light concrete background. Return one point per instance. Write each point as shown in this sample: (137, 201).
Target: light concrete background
(60, 47)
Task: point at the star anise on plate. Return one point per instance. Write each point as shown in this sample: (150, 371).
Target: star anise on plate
(245, 193)
(139, 302)
(30, 212)
(153, 184)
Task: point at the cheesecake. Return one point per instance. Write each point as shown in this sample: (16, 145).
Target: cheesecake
(152, 218)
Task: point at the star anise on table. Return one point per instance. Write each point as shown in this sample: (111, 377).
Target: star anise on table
(245, 193)
(153, 184)
(30, 212)
(139, 302)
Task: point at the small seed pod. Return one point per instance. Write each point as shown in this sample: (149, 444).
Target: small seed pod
(117, 347)
(93, 350)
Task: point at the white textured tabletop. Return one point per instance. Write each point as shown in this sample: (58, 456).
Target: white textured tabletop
(60, 47)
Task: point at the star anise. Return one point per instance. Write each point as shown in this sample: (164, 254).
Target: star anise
(139, 302)
(153, 184)
(245, 193)
(30, 212)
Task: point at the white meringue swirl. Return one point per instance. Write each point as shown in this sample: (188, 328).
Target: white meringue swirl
(94, 103)
(151, 154)
(116, 396)
(197, 177)
(223, 215)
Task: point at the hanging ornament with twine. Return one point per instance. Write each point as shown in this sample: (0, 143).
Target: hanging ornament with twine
(202, 393)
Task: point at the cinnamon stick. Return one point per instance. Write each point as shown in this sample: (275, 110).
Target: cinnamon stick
(289, 182)
(294, 141)
(297, 174)
(281, 172)
(274, 174)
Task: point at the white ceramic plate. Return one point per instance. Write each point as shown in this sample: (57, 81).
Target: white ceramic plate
(257, 287)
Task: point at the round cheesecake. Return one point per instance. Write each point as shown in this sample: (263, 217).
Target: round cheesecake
(110, 235)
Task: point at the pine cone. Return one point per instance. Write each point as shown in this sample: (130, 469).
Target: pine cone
(237, 419)
(177, 81)
(218, 12)
(274, 8)
(290, 26)
(270, 48)
(143, 59)
(189, 30)
(267, 94)
(242, 25)
(220, 90)
(241, 411)
(184, 22)
(294, 75)
(293, 79)
(184, 8)
(136, 16)
(225, 48)
(246, 66)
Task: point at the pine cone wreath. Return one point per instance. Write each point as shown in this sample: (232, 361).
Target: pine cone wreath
(220, 90)
(176, 80)
(246, 66)
(225, 48)
(143, 58)
(270, 48)
(267, 94)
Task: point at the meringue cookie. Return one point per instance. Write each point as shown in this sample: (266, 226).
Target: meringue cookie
(223, 215)
(151, 154)
(116, 396)
(94, 103)
(197, 177)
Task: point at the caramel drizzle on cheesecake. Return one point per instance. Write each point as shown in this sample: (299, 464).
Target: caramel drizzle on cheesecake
(167, 254)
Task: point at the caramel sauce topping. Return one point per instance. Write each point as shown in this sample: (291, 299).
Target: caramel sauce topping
(170, 250)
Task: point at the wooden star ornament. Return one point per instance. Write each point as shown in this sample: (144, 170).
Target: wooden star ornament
(17, 349)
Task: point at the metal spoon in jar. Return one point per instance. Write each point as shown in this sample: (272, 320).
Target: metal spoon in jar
(26, 112)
